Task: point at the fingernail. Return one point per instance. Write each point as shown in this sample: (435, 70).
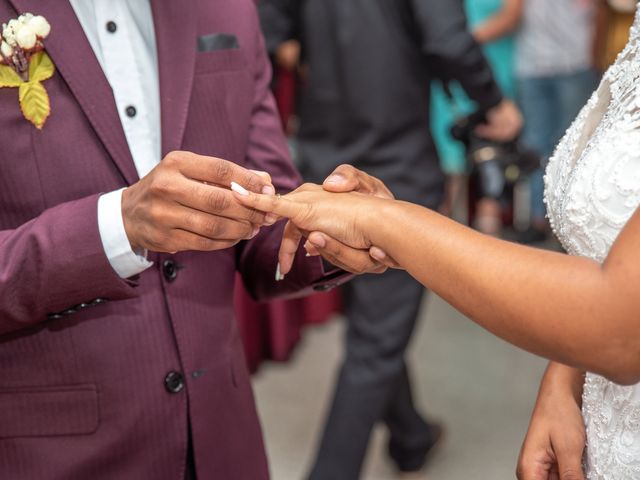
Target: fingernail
(307, 254)
(239, 189)
(268, 190)
(270, 219)
(318, 241)
(336, 178)
(255, 232)
(377, 253)
(279, 276)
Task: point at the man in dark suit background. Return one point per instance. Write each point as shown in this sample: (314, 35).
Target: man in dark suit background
(366, 72)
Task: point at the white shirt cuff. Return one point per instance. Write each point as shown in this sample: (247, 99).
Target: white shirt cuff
(115, 242)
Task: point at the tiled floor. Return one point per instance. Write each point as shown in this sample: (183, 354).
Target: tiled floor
(480, 387)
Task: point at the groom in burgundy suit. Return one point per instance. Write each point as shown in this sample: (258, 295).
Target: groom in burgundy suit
(112, 367)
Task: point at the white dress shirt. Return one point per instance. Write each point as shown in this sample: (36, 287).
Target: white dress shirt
(122, 36)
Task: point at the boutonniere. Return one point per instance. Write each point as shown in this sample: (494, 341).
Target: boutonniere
(25, 65)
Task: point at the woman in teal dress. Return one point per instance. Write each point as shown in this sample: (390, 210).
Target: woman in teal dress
(492, 23)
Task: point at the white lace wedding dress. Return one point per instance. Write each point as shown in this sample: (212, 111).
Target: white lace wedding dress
(592, 189)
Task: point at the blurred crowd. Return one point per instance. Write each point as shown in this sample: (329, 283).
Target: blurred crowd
(423, 95)
(546, 55)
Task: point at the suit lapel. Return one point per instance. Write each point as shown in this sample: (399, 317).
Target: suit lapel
(176, 28)
(75, 61)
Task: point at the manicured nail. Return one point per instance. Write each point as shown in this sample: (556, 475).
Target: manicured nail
(279, 276)
(335, 179)
(268, 190)
(239, 189)
(255, 232)
(318, 241)
(307, 254)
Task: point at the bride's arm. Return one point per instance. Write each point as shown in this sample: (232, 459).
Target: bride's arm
(568, 309)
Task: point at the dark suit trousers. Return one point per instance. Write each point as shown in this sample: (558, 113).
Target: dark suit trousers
(373, 384)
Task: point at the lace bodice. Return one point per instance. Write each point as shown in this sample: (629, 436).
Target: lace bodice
(592, 189)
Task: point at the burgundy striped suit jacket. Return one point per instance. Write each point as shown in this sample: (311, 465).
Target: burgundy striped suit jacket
(84, 355)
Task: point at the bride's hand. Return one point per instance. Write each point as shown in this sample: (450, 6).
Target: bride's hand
(332, 217)
(555, 442)
(312, 209)
(346, 178)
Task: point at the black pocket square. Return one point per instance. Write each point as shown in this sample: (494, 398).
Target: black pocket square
(217, 41)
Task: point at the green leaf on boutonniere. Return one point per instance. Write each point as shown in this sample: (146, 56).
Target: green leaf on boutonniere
(40, 67)
(34, 103)
(9, 77)
(34, 100)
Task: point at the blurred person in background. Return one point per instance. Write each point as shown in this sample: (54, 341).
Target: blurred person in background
(492, 23)
(613, 21)
(554, 68)
(367, 66)
(284, 53)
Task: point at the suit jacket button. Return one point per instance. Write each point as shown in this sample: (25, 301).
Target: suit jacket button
(174, 382)
(170, 270)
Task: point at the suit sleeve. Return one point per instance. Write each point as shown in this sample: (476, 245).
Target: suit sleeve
(267, 150)
(450, 47)
(55, 263)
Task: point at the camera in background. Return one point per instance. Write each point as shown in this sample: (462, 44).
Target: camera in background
(494, 165)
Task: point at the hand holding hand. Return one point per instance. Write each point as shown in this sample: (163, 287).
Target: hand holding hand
(311, 209)
(185, 204)
(344, 179)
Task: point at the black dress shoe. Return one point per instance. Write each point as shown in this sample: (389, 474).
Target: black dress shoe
(413, 458)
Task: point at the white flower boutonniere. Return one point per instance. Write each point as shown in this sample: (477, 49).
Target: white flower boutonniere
(25, 65)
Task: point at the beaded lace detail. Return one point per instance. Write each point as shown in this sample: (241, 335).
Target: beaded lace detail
(592, 189)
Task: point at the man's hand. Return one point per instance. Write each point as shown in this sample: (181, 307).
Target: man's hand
(185, 204)
(344, 179)
(347, 178)
(555, 442)
(504, 123)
